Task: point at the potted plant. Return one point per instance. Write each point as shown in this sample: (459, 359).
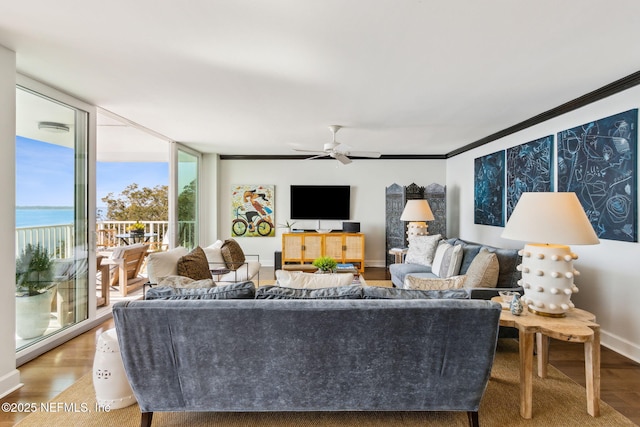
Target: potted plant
(137, 228)
(326, 264)
(286, 226)
(34, 291)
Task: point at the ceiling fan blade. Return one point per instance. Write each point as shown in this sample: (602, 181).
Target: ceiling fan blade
(369, 154)
(309, 151)
(319, 156)
(341, 158)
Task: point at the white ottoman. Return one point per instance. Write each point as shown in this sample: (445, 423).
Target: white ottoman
(109, 379)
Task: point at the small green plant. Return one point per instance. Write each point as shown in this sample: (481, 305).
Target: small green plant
(325, 263)
(286, 224)
(33, 271)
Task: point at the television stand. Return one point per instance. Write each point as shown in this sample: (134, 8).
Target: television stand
(303, 248)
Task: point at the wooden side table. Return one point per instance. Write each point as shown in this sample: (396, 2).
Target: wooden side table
(577, 326)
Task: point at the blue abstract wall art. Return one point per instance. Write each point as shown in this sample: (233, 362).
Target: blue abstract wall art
(529, 169)
(598, 162)
(489, 189)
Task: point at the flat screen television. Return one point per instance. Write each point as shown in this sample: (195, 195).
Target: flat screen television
(320, 202)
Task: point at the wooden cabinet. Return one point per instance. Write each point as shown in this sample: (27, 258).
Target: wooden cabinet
(301, 248)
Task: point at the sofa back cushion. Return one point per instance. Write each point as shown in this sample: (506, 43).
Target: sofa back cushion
(336, 292)
(375, 292)
(161, 264)
(241, 290)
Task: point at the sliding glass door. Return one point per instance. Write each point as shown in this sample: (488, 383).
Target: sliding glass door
(187, 198)
(52, 251)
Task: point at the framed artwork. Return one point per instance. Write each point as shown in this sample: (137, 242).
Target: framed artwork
(489, 189)
(598, 162)
(529, 169)
(252, 211)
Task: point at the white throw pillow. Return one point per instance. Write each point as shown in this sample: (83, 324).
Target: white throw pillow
(422, 249)
(160, 264)
(300, 280)
(433, 283)
(214, 255)
(447, 260)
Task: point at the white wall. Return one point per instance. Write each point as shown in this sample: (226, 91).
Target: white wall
(367, 178)
(610, 279)
(9, 375)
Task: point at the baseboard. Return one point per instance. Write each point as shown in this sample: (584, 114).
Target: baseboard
(10, 382)
(620, 345)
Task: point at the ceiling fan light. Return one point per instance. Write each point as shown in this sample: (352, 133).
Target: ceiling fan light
(53, 127)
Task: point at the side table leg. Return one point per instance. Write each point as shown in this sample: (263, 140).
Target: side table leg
(542, 354)
(592, 372)
(526, 373)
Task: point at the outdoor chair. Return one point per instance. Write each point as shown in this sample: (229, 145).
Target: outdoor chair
(125, 264)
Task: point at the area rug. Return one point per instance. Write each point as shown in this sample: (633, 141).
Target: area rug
(557, 402)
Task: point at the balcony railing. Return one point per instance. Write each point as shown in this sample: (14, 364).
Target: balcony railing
(59, 239)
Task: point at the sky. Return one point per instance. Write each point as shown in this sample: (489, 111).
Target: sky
(44, 175)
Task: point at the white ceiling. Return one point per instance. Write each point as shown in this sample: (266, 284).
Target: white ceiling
(263, 77)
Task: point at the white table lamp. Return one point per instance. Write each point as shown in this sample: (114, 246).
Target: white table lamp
(555, 220)
(417, 212)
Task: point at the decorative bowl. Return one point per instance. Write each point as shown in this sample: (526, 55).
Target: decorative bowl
(324, 230)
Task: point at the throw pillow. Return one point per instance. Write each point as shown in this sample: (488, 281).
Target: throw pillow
(160, 264)
(337, 292)
(447, 260)
(433, 283)
(422, 249)
(483, 271)
(232, 254)
(301, 280)
(194, 265)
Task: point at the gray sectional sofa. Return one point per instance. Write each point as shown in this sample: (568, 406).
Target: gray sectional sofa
(246, 355)
(508, 277)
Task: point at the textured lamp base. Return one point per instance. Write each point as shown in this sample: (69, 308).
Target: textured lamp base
(417, 228)
(547, 278)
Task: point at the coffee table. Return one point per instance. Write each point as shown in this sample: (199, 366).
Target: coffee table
(577, 326)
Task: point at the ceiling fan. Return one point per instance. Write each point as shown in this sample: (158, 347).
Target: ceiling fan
(338, 151)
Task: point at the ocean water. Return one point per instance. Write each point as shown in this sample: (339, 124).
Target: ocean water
(33, 217)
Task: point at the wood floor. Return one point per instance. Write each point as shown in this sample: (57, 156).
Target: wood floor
(56, 370)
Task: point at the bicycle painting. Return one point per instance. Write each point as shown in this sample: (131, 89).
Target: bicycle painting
(252, 214)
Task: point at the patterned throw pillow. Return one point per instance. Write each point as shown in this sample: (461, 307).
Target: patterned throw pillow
(433, 283)
(483, 271)
(447, 260)
(194, 265)
(232, 254)
(422, 249)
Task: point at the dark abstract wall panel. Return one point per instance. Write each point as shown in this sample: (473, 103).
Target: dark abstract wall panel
(489, 189)
(598, 162)
(529, 169)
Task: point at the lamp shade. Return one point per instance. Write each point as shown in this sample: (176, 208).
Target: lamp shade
(417, 210)
(557, 218)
